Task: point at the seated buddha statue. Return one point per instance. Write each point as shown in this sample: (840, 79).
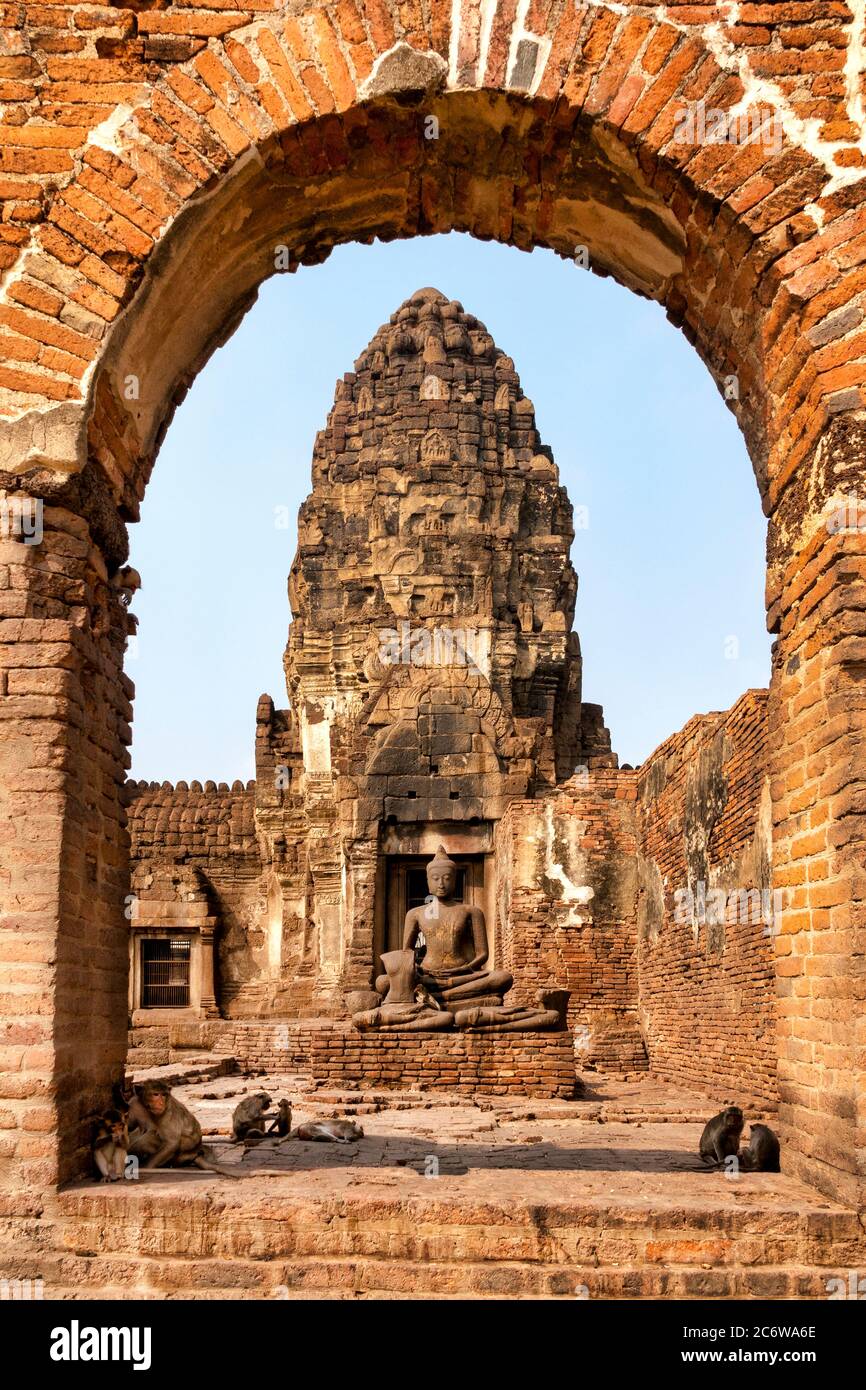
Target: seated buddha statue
(398, 1001)
(444, 983)
(451, 964)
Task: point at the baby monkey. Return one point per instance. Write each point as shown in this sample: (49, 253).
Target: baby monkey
(111, 1145)
(282, 1124)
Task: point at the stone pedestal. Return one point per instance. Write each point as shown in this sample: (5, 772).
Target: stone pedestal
(502, 1064)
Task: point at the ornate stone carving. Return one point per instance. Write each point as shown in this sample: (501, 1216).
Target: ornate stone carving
(435, 447)
(433, 388)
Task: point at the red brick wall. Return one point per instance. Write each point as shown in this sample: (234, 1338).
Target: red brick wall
(566, 909)
(818, 743)
(529, 1064)
(707, 996)
(64, 731)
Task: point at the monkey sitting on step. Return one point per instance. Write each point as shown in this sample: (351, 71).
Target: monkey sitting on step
(167, 1134)
(762, 1155)
(111, 1145)
(721, 1136)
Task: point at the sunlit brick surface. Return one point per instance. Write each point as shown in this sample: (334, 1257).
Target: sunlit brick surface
(153, 159)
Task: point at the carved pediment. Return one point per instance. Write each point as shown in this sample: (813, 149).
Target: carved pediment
(435, 448)
(433, 388)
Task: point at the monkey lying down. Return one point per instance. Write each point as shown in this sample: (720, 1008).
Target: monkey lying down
(330, 1131)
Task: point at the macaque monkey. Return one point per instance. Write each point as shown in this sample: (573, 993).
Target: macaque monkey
(282, 1125)
(721, 1136)
(762, 1155)
(111, 1145)
(167, 1134)
(423, 996)
(125, 583)
(333, 1131)
(250, 1117)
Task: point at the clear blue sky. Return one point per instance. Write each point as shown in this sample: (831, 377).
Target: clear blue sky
(670, 568)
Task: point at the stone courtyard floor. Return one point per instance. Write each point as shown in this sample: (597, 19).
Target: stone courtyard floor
(600, 1197)
(645, 1132)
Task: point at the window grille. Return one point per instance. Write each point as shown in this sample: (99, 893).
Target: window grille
(165, 972)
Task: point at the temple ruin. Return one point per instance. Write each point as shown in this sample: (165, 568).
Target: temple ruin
(434, 680)
(160, 162)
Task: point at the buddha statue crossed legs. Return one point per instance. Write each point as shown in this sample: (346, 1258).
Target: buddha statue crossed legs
(445, 982)
(455, 952)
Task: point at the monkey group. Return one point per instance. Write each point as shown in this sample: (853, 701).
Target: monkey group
(720, 1141)
(251, 1116)
(151, 1125)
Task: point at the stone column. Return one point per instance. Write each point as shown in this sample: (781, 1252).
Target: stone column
(818, 761)
(64, 867)
(207, 993)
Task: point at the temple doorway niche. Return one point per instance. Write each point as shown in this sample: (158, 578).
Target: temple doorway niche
(403, 854)
(406, 887)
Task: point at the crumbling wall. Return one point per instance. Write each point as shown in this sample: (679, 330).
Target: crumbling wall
(566, 908)
(211, 828)
(706, 912)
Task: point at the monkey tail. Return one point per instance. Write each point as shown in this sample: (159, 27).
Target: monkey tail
(205, 1160)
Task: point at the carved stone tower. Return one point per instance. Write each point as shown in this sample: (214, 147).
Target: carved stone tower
(431, 667)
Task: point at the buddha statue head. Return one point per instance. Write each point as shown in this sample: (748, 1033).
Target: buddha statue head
(442, 875)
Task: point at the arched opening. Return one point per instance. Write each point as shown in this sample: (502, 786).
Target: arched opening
(646, 447)
(245, 430)
(290, 201)
(547, 170)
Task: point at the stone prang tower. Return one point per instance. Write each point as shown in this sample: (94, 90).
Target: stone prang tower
(431, 667)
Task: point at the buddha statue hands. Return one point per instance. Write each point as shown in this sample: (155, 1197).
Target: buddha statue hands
(403, 1003)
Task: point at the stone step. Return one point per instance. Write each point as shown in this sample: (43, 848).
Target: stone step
(338, 1233)
(267, 1218)
(353, 1277)
(193, 1070)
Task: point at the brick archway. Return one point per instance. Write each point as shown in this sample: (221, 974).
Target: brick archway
(208, 140)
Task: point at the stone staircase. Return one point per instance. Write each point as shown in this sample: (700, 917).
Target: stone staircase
(443, 1197)
(201, 1238)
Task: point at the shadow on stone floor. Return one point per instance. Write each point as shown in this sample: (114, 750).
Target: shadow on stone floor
(454, 1159)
